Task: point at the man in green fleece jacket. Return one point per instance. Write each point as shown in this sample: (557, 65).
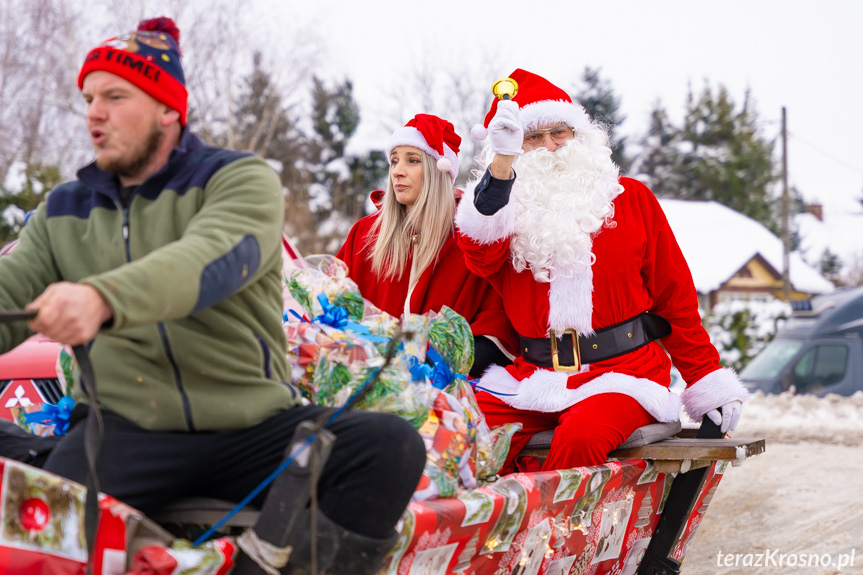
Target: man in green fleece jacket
(164, 257)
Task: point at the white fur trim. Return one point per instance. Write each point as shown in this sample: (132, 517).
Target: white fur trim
(480, 228)
(570, 301)
(546, 391)
(410, 136)
(479, 132)
(552, 111)
(713, 390)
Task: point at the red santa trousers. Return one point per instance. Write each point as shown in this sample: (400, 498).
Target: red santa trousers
(584, 434)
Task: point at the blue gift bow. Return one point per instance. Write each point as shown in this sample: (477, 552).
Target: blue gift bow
(438, 373)
(57, 415)
(337, 316)
(334, 315)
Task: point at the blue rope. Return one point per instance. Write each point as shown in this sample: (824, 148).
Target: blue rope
(497, 393)
(284, 465)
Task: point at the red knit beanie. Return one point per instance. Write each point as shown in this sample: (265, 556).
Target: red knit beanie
(149, 58)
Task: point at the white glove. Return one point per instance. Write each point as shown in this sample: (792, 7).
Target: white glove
(504, 130)
(729, 418)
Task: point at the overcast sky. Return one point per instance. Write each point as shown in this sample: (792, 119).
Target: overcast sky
(806, 56)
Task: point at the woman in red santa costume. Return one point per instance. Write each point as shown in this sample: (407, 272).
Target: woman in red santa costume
(573, 248)
(405, 258)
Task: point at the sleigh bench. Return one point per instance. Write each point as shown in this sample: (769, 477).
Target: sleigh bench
(672, 447)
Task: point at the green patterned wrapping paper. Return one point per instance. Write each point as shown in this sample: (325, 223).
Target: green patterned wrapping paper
(451, 336)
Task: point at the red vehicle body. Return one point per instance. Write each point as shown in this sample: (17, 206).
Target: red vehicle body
(28, 375)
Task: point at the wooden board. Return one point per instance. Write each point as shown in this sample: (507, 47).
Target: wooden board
(681, 449)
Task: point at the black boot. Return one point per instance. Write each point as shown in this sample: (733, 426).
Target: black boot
(339, 551)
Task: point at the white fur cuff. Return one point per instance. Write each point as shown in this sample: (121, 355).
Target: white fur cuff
(711, 391)
(480, 228)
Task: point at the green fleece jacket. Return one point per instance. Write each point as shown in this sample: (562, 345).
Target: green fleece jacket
(192, 271)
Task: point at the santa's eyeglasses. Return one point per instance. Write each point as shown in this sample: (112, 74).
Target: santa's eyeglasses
(559, 134)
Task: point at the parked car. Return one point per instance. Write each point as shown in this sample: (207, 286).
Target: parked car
(28, 375)
(819, 350)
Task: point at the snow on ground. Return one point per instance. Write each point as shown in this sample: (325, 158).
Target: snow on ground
(802, 496)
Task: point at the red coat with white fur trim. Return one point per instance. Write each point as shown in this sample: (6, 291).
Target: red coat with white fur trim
(449, 283)
(639, 267)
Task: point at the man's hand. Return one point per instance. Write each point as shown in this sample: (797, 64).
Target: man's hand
(729, 418)
(70, 313)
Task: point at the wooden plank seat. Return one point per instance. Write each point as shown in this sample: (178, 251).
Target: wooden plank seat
(205, 511)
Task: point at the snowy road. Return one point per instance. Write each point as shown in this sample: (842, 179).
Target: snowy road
(802, 496)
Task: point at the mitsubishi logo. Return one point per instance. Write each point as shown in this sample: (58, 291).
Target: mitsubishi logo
(19, 399)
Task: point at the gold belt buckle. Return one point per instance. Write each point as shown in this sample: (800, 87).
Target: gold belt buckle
(576, 351)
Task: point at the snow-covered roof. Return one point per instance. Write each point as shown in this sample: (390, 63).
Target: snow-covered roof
(717, 241)
(839, 232)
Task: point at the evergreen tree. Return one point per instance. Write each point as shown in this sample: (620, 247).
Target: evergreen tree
(339, 182)
(718, 154)
(729, 161)
(659, 165)
(263, 124)
(830, 266)
(603, 105)
(28, 192)
(741, 329)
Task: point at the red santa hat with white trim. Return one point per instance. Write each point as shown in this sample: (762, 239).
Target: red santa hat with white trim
(540, 103)
(434, 136)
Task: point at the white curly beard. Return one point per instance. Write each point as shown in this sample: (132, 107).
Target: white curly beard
(562, 198)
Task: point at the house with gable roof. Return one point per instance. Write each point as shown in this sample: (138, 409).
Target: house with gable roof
(732, 256)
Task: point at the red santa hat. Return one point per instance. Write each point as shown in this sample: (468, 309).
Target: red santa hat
(434, 136)
(540, 103)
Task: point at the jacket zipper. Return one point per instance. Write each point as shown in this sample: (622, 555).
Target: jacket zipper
(187, 409)
(126, 233)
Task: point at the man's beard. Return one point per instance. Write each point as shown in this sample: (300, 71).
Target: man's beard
(138, 158)
(562, 199)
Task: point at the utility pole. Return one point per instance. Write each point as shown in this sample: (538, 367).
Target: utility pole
(786, 216)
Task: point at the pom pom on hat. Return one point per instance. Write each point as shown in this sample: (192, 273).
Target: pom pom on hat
(162, 24)
(149, 58)
(434, 136)
(479, 132)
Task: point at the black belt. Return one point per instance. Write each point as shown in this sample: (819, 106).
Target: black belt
(560, 353)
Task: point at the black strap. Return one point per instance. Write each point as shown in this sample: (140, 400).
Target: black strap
(92, 445)
(606, 343)
(681, 500)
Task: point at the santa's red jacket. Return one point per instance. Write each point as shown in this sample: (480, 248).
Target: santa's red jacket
(639, 267)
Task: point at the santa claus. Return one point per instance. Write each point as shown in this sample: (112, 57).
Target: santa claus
(592, 280)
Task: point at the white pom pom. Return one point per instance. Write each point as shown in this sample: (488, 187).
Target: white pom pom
(444, 165)
(479, 132)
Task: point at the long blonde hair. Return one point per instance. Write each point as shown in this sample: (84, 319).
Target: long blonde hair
(431, 217)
